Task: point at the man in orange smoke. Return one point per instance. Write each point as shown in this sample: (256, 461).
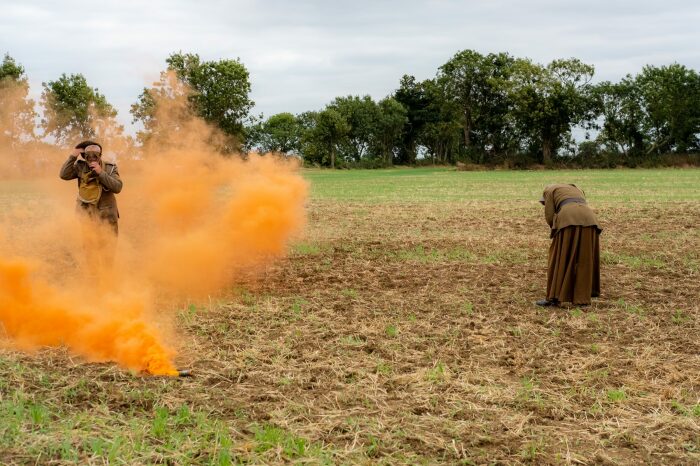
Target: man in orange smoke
(573, 273)
(98, 182)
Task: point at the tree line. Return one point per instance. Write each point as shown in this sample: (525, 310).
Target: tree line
(490, 109)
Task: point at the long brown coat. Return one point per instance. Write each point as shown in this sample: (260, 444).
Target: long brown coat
(106, 208)
(573, 273)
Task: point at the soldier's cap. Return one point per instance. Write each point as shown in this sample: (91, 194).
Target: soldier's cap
(93, 150)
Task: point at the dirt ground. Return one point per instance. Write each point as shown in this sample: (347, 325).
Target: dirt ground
(435, 350)
(406, 333)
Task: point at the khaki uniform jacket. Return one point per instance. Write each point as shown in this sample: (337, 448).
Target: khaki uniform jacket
(570, 214)
(111, 185)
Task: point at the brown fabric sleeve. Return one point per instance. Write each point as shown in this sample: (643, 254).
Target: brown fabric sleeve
(549, 208)
(110, 179)
(68, 171)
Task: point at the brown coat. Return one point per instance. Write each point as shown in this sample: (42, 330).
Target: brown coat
(575, 213)
(111, 185)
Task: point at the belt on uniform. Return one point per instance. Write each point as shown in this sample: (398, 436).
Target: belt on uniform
(577, 200)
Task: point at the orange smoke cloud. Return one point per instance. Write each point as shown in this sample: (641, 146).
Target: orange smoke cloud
(216, 216)
(98, 327)
(191, 222)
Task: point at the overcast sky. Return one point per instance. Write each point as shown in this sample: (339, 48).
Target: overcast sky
(301, 54)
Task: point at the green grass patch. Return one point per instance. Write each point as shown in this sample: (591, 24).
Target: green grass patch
(616, 395)
(635, 309)
(421, 254)
(353, 340)
(171, 436)
(383, 368)
(529, 393)
(349, 293)
(678, 408)
(444, 184)
(57, 435)
(297, 307)
(306, 249)
(289, 446)
(634, 262)
(467, 308)
(437, 374)
(680, 318)
(391, 331)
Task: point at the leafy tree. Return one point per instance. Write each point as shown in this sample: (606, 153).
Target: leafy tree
(477, 85)
(164, 110)
(362, 115)
(217, 92)
(280, 133)
(549, 101)
(622, 109)
(411, 95)
(311, 148)
(494, 131)
(17, 113)
(220, 87)
(441, 132)
(463, 79)
(11, 70)
(145, 109)
(656, 111)
(326, 131)
(390, 123)
(671, 95)
(74, 110)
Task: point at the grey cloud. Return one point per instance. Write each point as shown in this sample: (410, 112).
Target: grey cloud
(302, 54)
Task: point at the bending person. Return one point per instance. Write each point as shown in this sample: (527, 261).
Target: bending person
(573, 273)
